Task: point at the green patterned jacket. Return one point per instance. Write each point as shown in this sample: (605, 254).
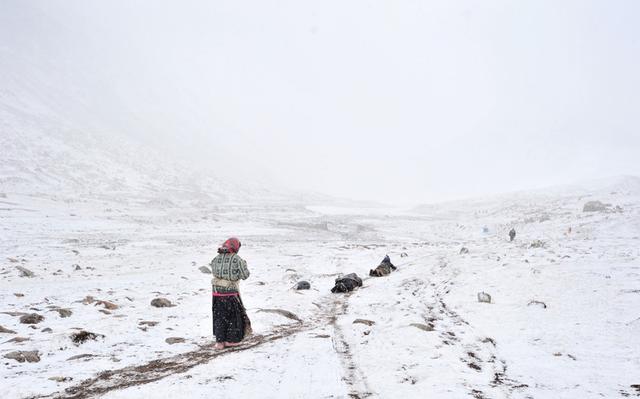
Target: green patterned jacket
(227, 270)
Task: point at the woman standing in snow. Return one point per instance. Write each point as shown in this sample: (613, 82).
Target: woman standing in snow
(230, 321)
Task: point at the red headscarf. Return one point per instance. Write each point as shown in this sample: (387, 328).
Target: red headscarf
(232, 245)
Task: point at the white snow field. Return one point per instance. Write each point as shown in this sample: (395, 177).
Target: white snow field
(564, 321)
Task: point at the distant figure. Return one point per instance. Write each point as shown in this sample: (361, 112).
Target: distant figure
(347, 283)
(383, 269)
(230, 320)
(512, 234)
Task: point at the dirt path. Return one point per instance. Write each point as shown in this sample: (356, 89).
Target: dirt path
(158, 369)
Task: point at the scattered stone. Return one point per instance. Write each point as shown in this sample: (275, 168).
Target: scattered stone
(595, 206)
(149, 323)
(464, 250)
(18, 295)
(108, 246)
(107, 305)
(60, 379)
(32, 318)
(104, 311)
(538, 303)
(484, 297)
(537, 244)
(64, 312)
(303, 285)
(88, 299)
(47, 330)
(24, 272)
(6, 330)
(24, 356)
(83, 356)
(282, 312)
(83, 336)
(174, 340)
(162, 303)
(75, 251)
(423, 327)
(204, 270)
(364, 321)
(18, 339)
(76, 267)
(404, 255)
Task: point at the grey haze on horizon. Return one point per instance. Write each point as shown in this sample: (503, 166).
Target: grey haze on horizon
(412, 101)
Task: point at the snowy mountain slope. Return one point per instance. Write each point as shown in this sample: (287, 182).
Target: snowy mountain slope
(43, 157)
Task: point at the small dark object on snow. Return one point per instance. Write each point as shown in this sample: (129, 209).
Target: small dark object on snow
(364, 321)
(347, 283)
(384, 268)
(204, 270)
(404, 255)
(532, 302)
(464, 250)
(282, 312)
(303, 285)
(63, 312)
(512, 234)
(162, 303)
(423, 327)
(484, 297)
(174, 340)
(24, 356)
(82, 336)
(32, 318)
(24, 272)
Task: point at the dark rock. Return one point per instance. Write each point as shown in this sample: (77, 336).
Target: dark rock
(88, 299)
(364, 321)
(174, 340)
(149, 323)
(484, 297)
(32, 318)
(464, 250)
(83, 336)
(24, 356)
(63, 312)
(60, 379)
(303, 285)
(423, 327)
(47, 330)
(86, 356)
(161, 303)
(107, 305)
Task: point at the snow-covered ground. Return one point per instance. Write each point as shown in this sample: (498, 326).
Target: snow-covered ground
(428, 337)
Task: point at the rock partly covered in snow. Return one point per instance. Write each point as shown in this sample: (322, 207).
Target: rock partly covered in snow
(24, 356)
(484, 297)
(24, 272)
(32, 318)
(161, 303)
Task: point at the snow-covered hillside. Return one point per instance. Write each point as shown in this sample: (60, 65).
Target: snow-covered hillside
(563, 322)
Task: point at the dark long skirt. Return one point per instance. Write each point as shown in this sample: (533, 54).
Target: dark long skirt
(230, 321)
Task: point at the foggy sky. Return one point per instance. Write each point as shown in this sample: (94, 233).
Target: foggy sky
(402, 101)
